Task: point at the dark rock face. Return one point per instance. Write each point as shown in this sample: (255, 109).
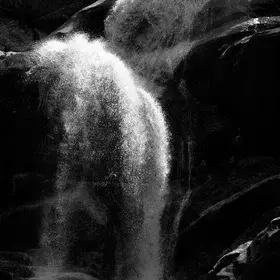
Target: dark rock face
(28, 150)
(20, 28)
(29, 153)
(89, 19)
(228, 72)
(235, 74)
(256, 259)
(197, 247)
(15, 265)
(45, 16)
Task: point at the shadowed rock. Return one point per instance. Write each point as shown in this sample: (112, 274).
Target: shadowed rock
(256, 259)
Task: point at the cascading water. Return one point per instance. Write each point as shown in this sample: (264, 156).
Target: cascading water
(114, 131)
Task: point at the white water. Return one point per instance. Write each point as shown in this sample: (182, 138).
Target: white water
(90, 76)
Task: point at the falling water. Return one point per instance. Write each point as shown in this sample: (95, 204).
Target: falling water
(89, 79)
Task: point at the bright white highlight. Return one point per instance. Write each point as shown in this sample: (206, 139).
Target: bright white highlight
(107, 116)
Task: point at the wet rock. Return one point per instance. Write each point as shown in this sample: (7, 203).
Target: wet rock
(45, 16)
(16, 257)
(14, 270)
(4, 275)
(237, 72)
(20, 228)
(256, 259)
(89, 19)
(28, 148)
(217, 227)
(20, 27)
(16, 35)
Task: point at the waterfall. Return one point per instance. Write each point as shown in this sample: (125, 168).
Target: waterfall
(113, 161)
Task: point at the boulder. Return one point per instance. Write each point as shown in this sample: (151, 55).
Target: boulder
(256, 259)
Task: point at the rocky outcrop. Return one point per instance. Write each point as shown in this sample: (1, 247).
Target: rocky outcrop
(89, 19)
(231, 82)
(20, 27)
(236, 74)
(217, 227)
(256, 259)
(46, 16)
